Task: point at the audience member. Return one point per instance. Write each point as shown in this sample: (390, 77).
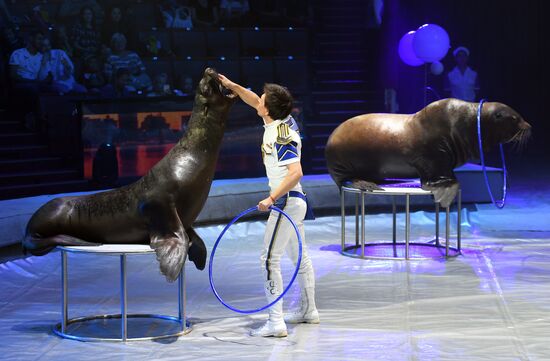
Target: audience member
(92, 77)
(206, 12)
(69, 9)
(152, 46)
(6, 18)
(176, 15)
(25, 63)
(11, 39)
(232, 11)
(62, 40)
(161, 87)
(114, 23)
(85, 36)
(59, 68)
(120, 87)
(122, 58)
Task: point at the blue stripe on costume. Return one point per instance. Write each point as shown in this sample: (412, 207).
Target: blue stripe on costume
(286, 151)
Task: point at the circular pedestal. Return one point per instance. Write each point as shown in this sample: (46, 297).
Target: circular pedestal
(396, 251)
(159, 326)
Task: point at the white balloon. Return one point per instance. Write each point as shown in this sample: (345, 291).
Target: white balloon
(437, 68)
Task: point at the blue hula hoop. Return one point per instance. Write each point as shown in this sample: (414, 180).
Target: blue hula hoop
(499, 203)
(211, 278)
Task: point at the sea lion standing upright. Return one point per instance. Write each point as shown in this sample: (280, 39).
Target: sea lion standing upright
(371, 148)
(160, 208)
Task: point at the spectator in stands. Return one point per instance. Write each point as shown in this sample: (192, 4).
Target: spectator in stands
(206, 12)
(11, 39)
(62, 40)
(85, 36)
(58, 67)
(176, 15)
(6, 18)
(115, 23)
(122, 58)
(232, 11)
(184, 86)
(265, 13)
(161, 87)
(120, 87)
(25, 63)
(41, 18)
(69, 9)
(92, 76)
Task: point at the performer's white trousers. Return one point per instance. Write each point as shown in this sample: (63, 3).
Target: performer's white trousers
(280, 236)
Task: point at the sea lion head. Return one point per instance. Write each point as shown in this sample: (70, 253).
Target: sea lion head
(503, 124)
(212, 94)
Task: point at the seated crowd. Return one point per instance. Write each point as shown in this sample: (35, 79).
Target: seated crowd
(91, 47)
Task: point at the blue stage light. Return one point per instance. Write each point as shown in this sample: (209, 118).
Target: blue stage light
(290, 57)
(256, 57)
(222, 28)
(188, 57)
(256, 28)
(222, 58)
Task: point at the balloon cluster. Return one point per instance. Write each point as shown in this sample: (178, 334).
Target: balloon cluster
(428, 44)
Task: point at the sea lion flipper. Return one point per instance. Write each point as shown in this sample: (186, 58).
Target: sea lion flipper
(39, 246)
(171, 253)
(167, 237)
(444, 189)
(364, 185)
(197, 249)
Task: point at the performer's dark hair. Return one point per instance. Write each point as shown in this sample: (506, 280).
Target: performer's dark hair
(278, 101)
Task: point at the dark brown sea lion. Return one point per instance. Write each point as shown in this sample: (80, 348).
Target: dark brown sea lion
(160, 208)
(371, 148)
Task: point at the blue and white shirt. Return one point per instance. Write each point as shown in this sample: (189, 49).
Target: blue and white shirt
(281, 146)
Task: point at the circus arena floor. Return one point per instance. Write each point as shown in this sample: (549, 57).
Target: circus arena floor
(490, 303)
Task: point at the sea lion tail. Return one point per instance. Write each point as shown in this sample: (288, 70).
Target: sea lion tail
(39, 246)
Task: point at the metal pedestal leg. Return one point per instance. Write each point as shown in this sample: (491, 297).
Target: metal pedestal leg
(357, 219)
(123, 299)
(447, 226)
(362, 224)
(437, 223)
(459, 221)
(181, 299)
(65, 291)
(394, 228)
(407, 225)
(343, 212)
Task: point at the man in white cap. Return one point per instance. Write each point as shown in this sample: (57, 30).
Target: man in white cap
(462, 80)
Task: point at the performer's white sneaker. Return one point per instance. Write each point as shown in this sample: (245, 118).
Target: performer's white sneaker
(302, 317)
(271, 329)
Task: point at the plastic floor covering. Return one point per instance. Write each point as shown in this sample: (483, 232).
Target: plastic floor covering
(490, 303)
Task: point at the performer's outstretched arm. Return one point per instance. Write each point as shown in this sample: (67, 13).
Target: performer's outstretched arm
(248, 96)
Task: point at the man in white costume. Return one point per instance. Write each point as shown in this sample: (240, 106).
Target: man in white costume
(462, 80)
(281, 150)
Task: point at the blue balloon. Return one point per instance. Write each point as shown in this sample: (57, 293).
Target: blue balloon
(431, 43)
(406, 52)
